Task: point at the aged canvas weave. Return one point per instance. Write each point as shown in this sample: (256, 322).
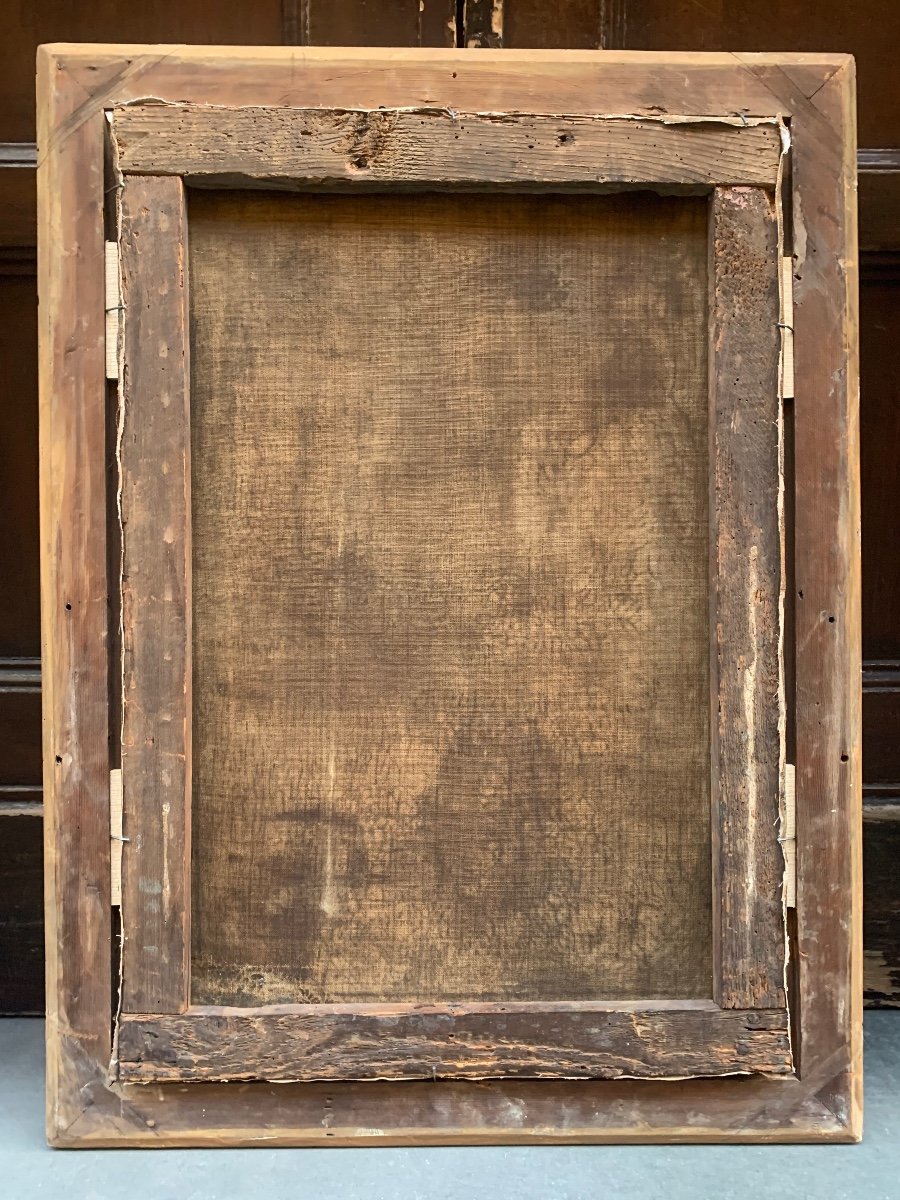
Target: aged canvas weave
(450, 471)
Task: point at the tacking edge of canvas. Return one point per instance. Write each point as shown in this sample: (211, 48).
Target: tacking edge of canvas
(785, 353)
(117, 184)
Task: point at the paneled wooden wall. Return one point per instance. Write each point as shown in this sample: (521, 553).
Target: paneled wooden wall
(864, 27)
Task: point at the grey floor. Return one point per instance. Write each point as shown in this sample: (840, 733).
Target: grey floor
(870, 1171)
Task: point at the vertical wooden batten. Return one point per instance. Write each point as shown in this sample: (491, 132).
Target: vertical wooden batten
(746, 601)
(156, 606)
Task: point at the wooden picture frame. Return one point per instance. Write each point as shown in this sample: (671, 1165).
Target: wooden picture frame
(774, 1054)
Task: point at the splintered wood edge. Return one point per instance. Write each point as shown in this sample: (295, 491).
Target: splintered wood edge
(650, 1043)
(746, 520)
(440, 147)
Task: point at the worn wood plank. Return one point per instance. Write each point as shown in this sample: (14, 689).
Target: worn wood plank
(439, 147)
(156, 557)
(747, 1109)
(747, 689)
(537, 81)
(583, 1043)
(74, 612)
(827, 583)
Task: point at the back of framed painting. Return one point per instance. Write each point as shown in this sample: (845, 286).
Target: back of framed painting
(446, 484)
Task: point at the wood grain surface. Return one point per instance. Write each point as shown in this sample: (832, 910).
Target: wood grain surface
(827, 587)
(156, 608)
(747, 579)
(577, 1042)
(450, 598)
(437, 146)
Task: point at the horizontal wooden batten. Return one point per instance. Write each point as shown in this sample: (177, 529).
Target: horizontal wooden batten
(438, 147)
(561, 1041)
(871, 161)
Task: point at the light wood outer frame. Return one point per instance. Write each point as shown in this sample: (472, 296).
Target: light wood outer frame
(815, 93)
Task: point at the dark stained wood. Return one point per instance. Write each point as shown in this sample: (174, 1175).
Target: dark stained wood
(421, 147)
(881, 865)
(369, 23)
(824, 1105)
(21, 913)
(21, 842)
(18, 205)
(449, 723)
(879, 223)
(880, 441)
(157, 21)
(586, 1043)
(155, 508)
(880, 449)
(746, 546)
(576, 24)
(881, 723)
(20, 732)
(880, 438)
(19, 579)
(859, 27)
(483, 23)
